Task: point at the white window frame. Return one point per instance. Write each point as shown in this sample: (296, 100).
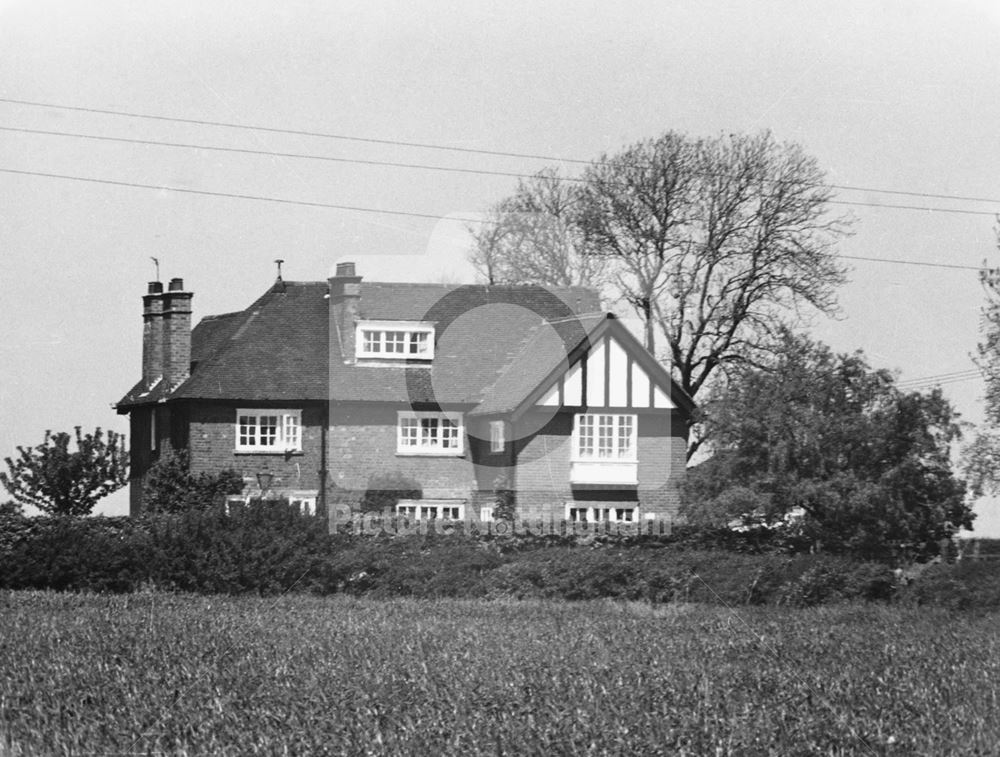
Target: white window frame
(498, 436)
(384, 328)
(424, 446)
(305, 500)
(444, 511)
(601, 513)
(287, 436)
(632, 451)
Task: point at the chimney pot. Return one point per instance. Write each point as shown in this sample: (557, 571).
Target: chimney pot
(345, 269)
(176, 285)
(155, 287)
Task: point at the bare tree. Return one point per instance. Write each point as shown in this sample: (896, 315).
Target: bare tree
(637, 208)
(758, 247)
(713, 242)
(535, 236)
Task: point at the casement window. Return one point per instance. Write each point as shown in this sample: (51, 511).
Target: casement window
(395, 340)
(429, 433)
(577, 514)
(417, 510)
(268, 430)
(498, 436)
(600, 436)
(486, 513)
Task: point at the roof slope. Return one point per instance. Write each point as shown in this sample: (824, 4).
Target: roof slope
(273, 350)
(494, 347)
(480, 330)
(550, 347)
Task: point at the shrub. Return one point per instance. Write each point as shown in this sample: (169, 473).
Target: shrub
(965, 585)
(820, 579)
(269, 547)
(504, 507)
(264, 547)
(92, 554)
(170, 487)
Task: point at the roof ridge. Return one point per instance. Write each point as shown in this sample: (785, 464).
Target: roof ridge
(217, 316)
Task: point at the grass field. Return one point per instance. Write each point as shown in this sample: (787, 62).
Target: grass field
(160, 673)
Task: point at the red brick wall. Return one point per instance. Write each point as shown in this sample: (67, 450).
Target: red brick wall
(362, 443)
(212, 445)
(543, 468)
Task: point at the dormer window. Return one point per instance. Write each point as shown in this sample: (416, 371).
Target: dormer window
(395, 340)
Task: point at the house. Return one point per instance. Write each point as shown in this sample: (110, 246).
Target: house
(317, 388)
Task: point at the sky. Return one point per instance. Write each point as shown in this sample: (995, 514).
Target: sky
(898, 96)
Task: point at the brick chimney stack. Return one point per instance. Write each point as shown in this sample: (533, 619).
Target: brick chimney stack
(176, 333)
(345, 302)
(152, 334)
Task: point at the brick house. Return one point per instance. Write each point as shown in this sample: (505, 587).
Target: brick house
(461, 390)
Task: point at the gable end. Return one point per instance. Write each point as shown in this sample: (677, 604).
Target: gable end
(615, 372)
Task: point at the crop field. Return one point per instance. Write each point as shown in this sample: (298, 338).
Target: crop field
(156, 673)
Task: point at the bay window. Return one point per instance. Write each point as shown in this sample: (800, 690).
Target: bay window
(605, 449)
(601, 436)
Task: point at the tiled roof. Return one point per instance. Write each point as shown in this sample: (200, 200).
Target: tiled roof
(549, 347)
(480, 331)
(273, 350)
(279, 348)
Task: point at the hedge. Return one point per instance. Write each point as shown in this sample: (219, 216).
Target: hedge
(270, 548)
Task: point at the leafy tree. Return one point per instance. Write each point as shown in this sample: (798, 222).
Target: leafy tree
(60, 482)
(825, 440)
(170, 487)
(713, 242)
(982, 456)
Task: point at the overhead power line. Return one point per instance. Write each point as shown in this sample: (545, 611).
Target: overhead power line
(932, 384)
(276, 154)
(935, 376)
(233, 195)
(452, 148)
(946, 378)
(916, 207)
(357, 208)
(421, 166)
(913, 262)
(297, 132)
